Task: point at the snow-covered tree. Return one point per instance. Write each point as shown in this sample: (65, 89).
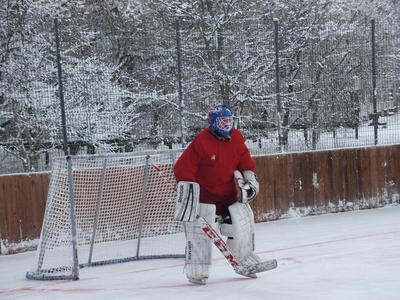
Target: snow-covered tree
(322, 49)
(27, 86)
(119, 63)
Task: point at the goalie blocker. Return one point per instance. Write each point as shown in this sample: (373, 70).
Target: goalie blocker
(187, 201)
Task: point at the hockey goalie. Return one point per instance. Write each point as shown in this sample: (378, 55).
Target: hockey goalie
(216, 180)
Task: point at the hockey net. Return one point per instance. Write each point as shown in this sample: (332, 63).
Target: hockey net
(104, 209)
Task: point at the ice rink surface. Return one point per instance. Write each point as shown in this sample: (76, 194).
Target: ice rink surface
(353, 255)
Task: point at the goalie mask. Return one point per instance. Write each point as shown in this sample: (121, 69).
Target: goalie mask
(220, 119)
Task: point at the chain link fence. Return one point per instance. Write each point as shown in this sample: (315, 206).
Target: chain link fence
(123, 88)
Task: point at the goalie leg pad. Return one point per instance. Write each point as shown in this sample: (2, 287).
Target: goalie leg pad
(241, 233)
(186, 201)
(199, 246)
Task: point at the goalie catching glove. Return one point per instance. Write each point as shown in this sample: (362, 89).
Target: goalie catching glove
(247, 185)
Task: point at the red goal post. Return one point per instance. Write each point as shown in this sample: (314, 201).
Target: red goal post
(104, 209)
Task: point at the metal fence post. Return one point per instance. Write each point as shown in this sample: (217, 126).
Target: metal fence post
(60, 87)
(278, 91)
(374, 83)
(179, 66)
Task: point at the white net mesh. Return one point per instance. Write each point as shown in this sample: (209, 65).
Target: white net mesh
(123, 211)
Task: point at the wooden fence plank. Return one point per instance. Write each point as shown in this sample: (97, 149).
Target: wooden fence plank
(3, 201)
(381, 179)
(281, 198)
(264, 205)
(393, 173)
(368, 184)
(22, 190)
(322, 182)
(338, 179)
(297, 171)
(12, 213)
(291, 180)
(308, 179)
(329, 181)
(36, 200)
(352, 184)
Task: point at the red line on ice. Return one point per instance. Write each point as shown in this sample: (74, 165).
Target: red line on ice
(332, 241)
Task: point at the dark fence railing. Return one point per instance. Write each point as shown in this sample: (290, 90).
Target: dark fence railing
(129, 88)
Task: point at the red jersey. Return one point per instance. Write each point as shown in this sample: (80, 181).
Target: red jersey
(211, 162)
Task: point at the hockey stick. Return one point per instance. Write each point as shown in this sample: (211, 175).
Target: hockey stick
(245, 270)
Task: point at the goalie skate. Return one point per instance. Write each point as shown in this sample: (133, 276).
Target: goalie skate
(200, 281)
(252, 270)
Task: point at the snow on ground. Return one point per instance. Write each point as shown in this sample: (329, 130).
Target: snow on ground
(353, 255)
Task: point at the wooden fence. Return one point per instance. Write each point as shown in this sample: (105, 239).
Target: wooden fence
(22, 205)
(327, 181)
(290, 184)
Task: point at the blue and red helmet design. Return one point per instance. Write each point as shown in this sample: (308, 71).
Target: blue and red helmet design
(220, 119)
